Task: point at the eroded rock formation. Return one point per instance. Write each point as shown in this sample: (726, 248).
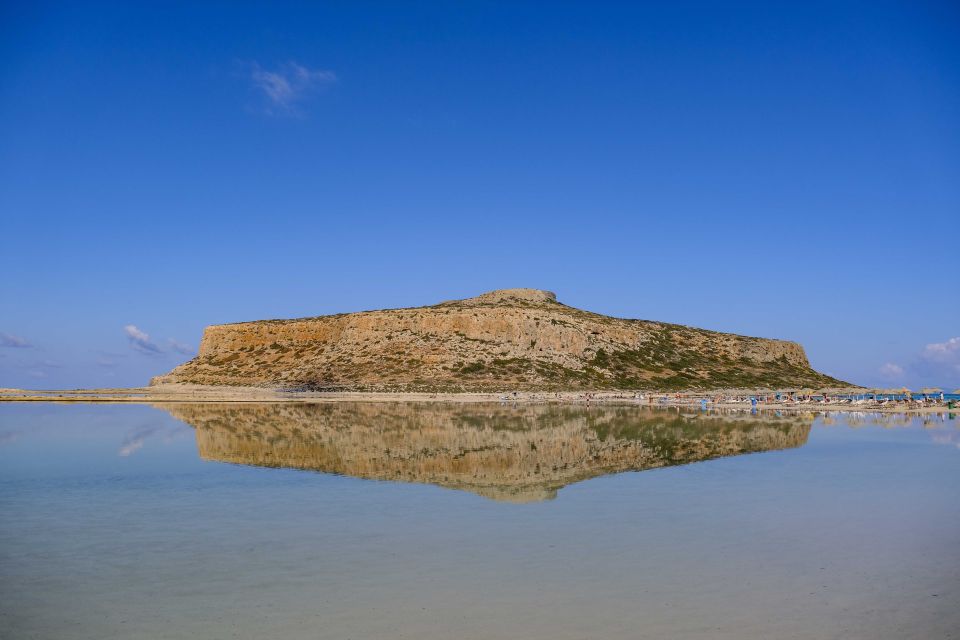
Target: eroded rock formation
(510, 339)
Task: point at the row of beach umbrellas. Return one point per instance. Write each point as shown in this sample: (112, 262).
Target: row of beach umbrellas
(927, 391)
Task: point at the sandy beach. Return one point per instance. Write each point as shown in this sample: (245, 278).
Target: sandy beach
(835, 399)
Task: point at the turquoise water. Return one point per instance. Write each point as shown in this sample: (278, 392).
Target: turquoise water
(393, 521)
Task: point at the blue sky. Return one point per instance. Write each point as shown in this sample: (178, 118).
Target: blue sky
(772, 169)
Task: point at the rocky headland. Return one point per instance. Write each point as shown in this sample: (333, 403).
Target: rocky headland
(510, 339)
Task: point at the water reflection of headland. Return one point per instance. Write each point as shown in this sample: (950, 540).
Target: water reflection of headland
(514, 453)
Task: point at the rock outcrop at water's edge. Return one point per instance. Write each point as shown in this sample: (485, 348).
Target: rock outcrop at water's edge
(520, 339)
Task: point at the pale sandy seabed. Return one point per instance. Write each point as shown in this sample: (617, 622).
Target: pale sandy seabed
(131, 518)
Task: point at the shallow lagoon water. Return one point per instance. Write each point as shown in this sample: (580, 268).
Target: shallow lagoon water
(431, 521)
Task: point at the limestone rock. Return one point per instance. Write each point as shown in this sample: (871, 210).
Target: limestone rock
(522, 339)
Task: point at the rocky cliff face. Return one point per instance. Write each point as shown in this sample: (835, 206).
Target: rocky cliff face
(508, 339)
(520, 454)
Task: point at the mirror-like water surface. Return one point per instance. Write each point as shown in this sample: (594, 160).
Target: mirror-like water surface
(474, 521)
(503, 452)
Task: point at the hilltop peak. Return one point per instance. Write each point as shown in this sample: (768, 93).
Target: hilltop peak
(500, 296)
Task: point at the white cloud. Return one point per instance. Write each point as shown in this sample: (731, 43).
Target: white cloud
(13, 342)
(136, 438)
(289, 85)
(179, 347)
(140, 341)
(948, 351)
(941, 360)
(951, 439)
(891, 370)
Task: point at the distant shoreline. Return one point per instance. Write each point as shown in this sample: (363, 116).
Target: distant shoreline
(724, 399)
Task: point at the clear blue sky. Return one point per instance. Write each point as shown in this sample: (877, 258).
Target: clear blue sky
(772, 169)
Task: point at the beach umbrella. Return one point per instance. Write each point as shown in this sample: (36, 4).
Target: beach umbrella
(931, 390)
(957, 391)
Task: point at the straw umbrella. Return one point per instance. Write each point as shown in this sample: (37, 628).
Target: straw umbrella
(891, 392)
(930, 391)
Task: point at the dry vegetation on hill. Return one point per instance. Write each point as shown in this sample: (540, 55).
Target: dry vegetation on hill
(519, 339)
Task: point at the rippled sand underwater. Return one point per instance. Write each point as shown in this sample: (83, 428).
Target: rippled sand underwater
(487, 521)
